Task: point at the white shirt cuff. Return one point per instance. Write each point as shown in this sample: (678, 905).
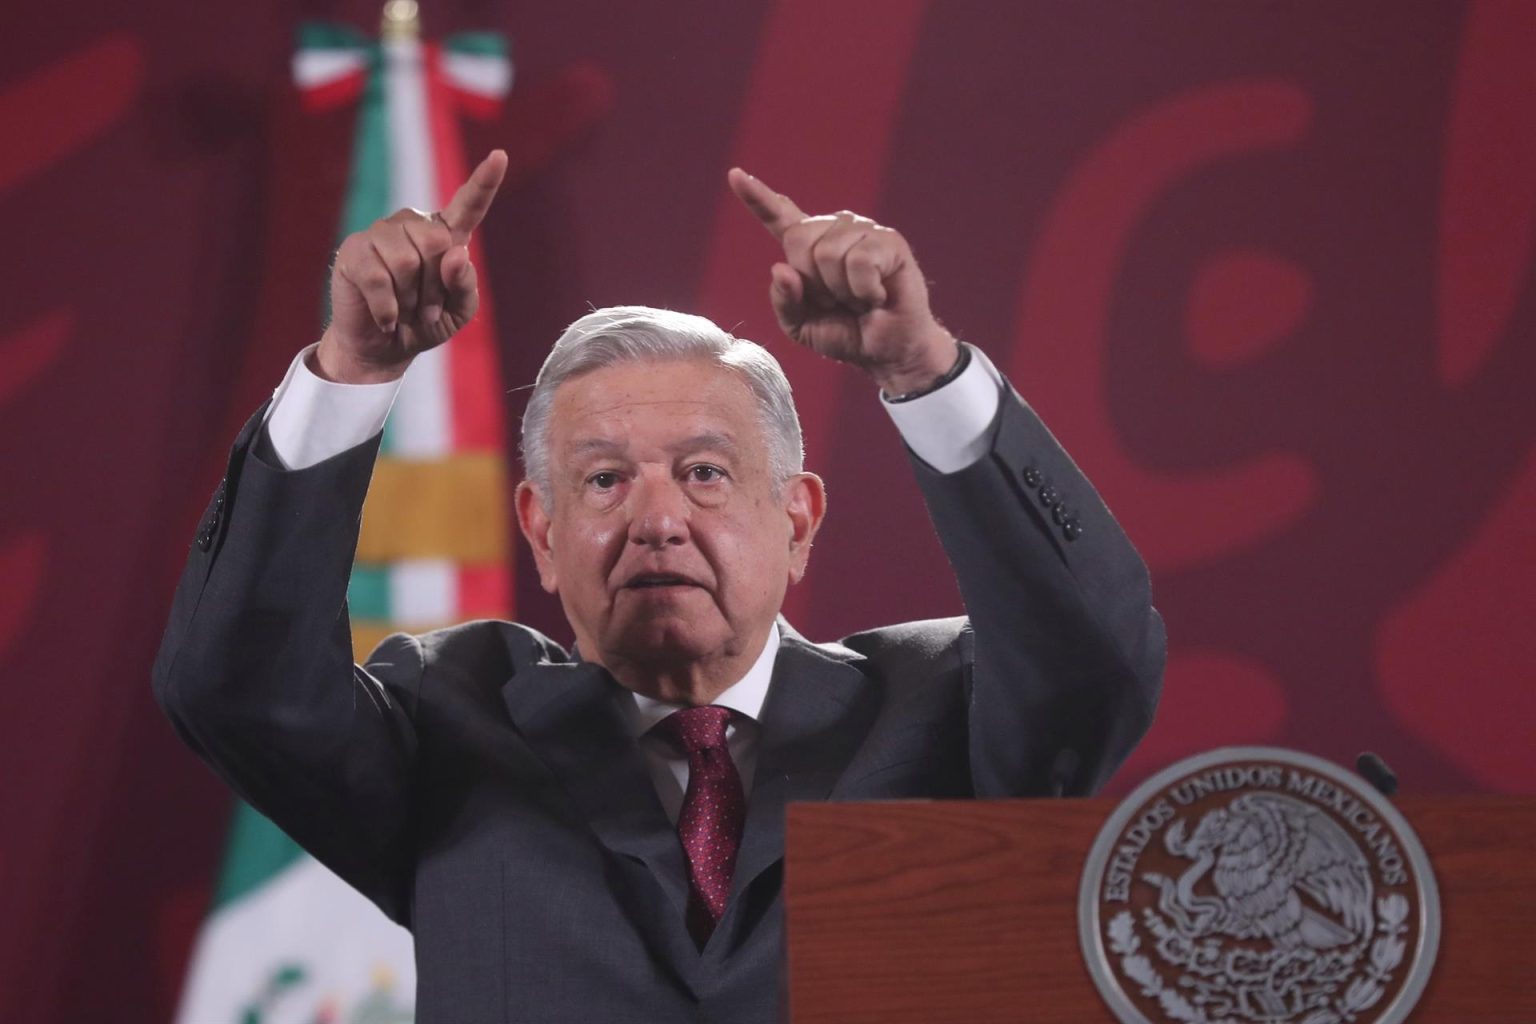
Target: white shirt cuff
(311, 419)
(947, 428)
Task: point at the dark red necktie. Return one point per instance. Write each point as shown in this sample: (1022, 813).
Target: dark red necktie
(714, 809)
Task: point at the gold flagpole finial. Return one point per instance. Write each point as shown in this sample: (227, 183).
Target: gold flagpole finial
(402, 20)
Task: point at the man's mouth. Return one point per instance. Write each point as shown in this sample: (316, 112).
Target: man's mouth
(655, 580)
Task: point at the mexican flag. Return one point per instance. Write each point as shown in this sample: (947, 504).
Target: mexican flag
(286, 941)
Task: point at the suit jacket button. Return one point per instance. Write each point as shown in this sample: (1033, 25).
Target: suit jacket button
(1048, 496)
(1032, 478)
(1059, 513)
(1072, 529)
(215, 514)
(205, 540)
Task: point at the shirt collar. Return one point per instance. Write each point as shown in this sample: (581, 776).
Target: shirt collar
(745, 696)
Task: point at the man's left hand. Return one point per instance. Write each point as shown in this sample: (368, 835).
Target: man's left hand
(851, 290)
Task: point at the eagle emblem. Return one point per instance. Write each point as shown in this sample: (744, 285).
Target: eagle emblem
(1258, 886)
(1280, 871)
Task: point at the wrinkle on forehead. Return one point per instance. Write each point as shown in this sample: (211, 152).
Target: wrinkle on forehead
(696, 398)
(582, 447)
(647, 382)
(602, 405)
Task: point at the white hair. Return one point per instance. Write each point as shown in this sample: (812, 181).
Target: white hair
(620, 334)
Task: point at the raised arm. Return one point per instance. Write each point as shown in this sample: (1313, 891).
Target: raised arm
(1066, 649)
(256, 667)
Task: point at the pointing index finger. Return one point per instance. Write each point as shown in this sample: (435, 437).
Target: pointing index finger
(470, 203)
(778, 212)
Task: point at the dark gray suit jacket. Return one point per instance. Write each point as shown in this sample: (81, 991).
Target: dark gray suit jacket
(479, 785)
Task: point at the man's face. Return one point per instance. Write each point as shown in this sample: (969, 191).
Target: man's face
(668, 543)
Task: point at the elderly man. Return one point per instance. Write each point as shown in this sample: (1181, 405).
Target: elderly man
(598, 835)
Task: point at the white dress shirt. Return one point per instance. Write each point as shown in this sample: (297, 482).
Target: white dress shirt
(668, 767)
(311, 419)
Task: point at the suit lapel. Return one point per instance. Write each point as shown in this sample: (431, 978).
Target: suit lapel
(569, 716)
(817, 713)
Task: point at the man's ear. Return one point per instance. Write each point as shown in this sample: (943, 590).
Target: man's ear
(805, 502)
(535, 524)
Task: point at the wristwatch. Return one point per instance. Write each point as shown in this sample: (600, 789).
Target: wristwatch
(961, 362)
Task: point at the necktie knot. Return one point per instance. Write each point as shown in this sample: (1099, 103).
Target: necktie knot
(694, 729)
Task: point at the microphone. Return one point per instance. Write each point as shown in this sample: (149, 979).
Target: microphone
(1063, 768)
(1376, 773)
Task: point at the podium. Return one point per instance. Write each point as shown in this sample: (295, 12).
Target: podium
(914, 912)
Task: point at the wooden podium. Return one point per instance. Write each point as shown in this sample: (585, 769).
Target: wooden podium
(935, 912)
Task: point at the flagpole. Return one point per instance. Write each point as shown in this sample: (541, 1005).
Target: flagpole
(401, 20)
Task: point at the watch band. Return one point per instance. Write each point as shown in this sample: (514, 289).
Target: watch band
(961, 362)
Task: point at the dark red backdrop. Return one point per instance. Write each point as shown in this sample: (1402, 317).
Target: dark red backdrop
(1265, 267)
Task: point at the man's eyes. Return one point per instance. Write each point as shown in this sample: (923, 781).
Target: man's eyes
(604, 480)
(704, 473)
(699, 473)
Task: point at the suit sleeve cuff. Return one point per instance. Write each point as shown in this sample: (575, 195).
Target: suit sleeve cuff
(950, 428)
(312, 419)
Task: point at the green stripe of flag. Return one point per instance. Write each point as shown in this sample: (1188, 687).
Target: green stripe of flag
(368, 592)
(257, 851)
(318, 35)
(368, 183)
(482, 44)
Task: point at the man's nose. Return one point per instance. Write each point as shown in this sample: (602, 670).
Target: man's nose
(658, 511)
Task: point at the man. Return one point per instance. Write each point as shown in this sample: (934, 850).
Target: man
(598, 835)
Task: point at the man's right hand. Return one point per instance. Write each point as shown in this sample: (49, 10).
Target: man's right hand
(405, 285)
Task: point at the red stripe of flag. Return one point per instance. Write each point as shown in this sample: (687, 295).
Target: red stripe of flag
(474, 382)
